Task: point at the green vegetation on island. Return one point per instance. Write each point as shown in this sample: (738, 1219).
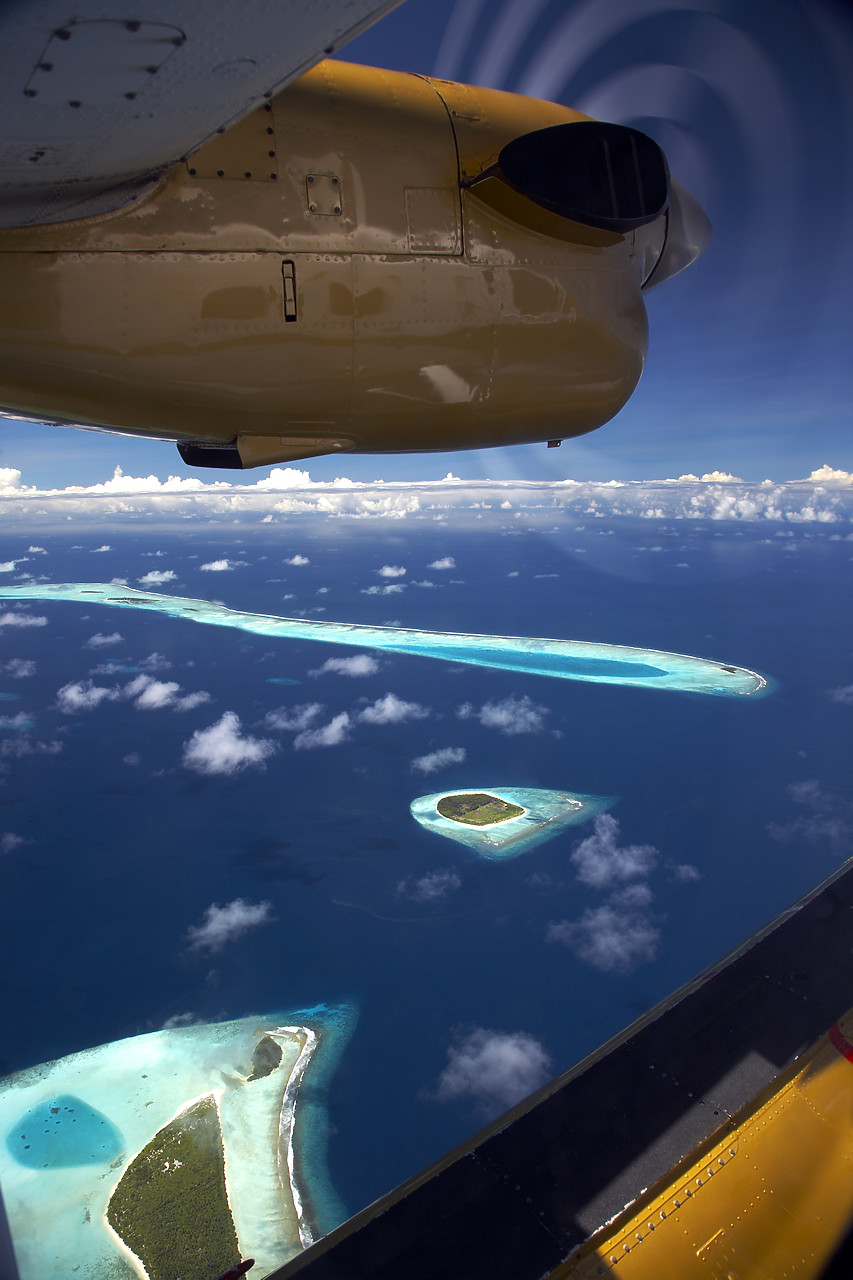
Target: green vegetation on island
(171, 1206)
(477, 809)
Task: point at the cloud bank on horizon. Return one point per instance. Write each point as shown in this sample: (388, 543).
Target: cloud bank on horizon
(824, 497)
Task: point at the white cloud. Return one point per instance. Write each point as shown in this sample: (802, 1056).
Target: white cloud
(601, 862)
(494, 1069)
(685, 873)
(180, 1020)
(155, 577)
(440, 759)
(294, 719)
(392, 589)
(105, 547)
(19, 721)
(9, 841)
(512, 716)
(828, 820)
(24, 744)
(329, 735)
(392, 710)
(83, 695)
(608, 938)
(189, 701)
(432, 887)
(360, 664)
(446, 562)
(150, 694)
(19, 668)
(826, 496)
(146, 693)
(21, 620)
(100, 640)
(218, 566)
(809, 792)
(844, 695)
(391, 571)
(827, 473)
(222, 748)
(155, 662)
(632, 897)
(8, 566)
(37, 551)
(297, 560)
(221, 925)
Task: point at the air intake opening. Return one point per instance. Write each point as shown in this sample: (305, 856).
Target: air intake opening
(197, 453)
(602, 175)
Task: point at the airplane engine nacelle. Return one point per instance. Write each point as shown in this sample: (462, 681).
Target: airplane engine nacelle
(370, 261)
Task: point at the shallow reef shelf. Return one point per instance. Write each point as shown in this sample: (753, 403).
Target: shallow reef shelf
(545, 814)
(129, 1145)
(564, 659)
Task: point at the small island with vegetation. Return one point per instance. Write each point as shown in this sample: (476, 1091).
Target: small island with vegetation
(478, 809)
(502, 822)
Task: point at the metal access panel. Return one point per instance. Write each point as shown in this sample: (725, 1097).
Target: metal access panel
(432, 220)
(95, 62)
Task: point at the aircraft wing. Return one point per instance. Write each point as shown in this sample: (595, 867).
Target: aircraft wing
(93, 107)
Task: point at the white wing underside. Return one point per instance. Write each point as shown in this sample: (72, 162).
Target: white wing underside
(93, 109)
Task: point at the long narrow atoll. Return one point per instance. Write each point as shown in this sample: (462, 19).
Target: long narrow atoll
(565, 659)
(502, 822)
(188, 1147)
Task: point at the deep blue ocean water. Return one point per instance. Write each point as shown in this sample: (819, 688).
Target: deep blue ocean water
(118, 860)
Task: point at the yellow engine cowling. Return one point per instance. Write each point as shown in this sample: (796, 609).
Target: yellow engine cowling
(329, 274)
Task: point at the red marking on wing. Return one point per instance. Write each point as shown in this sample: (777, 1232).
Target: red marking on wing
(841, 1043)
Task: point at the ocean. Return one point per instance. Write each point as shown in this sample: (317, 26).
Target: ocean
(119, 849)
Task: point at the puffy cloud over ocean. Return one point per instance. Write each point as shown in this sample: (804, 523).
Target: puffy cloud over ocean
(222, 925)
(492, 1069)
(619, 934)
(224, 748)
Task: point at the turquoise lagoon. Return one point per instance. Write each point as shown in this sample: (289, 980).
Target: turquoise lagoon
(546, 814)
(564, 659)
(71, 1128)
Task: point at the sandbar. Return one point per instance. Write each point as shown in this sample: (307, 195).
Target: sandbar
(562, 659)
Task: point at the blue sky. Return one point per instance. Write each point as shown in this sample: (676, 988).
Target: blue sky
(748, 369)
